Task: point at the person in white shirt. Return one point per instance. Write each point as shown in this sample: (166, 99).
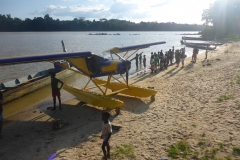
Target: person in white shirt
(106, 134)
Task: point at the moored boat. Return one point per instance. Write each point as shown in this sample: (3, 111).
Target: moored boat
(21, 86)
(197, 38)
(199, 45)
(97, 34)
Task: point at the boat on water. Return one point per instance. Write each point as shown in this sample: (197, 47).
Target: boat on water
(19, 87)
(197, 38)
(210, 40)
(103, 34)
(97, 34)
(199, 45)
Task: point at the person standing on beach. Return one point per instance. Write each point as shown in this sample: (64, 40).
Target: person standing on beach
(151, 57)
(136, 58)
(144, 62)
(170, 54)
(206, 53)
(161, 54)
(165, 61)
(152, 63)
(106, 134)
(183, 56)
(140, 61)
(195, 52)
(167, 57)
(173, 53)
(156, 60)
(161, 63)
(56, 91)
(177, 57)
(1, 114)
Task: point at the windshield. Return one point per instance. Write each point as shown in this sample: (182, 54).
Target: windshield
(110, 55)
(106, 55)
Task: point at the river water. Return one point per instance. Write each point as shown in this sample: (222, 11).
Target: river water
(34, 43)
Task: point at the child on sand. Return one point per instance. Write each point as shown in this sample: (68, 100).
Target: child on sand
(106, 134)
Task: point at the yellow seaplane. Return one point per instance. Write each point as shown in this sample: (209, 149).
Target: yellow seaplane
(97, 91)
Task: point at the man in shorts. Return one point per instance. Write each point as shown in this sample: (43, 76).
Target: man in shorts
(56, 91)
(1, 114)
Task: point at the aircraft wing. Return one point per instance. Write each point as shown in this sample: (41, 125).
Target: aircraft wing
(134, 47)
(43, 57)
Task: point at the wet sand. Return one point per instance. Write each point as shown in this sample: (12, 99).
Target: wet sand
(188, 108)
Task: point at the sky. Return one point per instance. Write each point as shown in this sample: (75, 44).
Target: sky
(178, 11)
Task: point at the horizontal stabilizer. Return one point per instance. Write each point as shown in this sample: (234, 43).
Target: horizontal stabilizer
(43, 57)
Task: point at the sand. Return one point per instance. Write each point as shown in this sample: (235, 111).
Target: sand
(188, 108)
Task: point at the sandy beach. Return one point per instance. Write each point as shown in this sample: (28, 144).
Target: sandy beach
(196, 115)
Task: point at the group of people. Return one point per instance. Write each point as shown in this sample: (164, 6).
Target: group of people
(161, 61)
(140, 60)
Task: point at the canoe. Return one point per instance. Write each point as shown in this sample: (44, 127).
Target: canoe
(199, 45)
(197, 38)
(97, 34)
(210, 47)
(21, 86)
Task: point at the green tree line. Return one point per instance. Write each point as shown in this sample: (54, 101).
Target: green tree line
(222, 19)
(47, 23)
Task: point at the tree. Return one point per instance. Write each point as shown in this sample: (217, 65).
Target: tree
(224, 16)
(47, 23)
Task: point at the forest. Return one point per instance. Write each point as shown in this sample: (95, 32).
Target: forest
(222, 19)
(47, 23)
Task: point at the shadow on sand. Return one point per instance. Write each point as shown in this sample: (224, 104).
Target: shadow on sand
(35, 134)
(134, 105)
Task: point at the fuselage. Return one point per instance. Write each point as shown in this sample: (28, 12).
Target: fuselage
(97, 66)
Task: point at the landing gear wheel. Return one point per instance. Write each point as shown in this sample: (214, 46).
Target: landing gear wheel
(152, 98)
(117, 110)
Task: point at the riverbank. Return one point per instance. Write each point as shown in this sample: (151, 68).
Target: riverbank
(197, 106)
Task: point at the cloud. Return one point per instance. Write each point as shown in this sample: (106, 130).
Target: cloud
(133, 10)
(68, 0)
(120, 7)
(162, 3)
(76, 11)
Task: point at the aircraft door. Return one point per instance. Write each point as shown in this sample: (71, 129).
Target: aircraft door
(92, 65)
